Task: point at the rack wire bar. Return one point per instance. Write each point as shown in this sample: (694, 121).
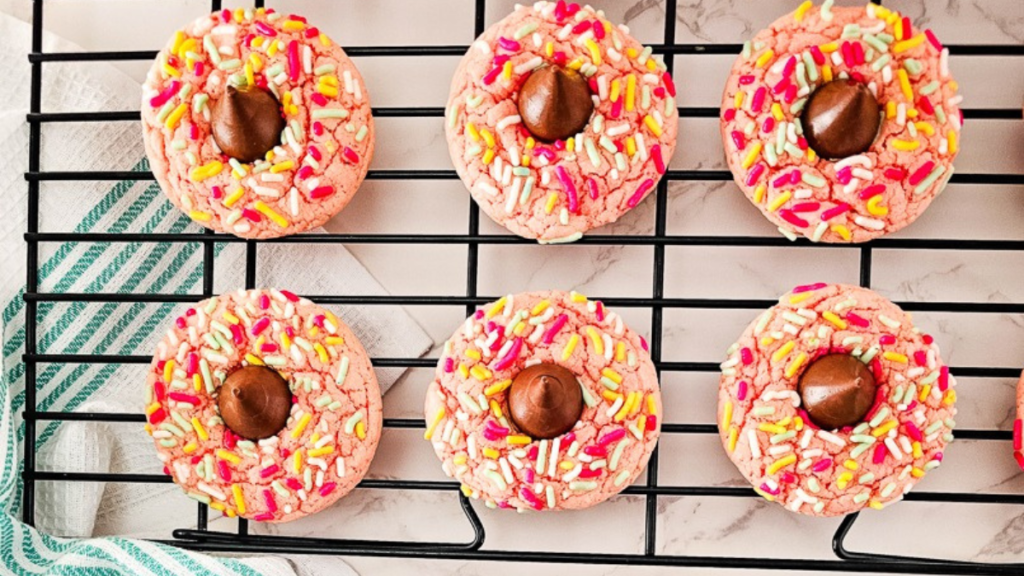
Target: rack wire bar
(478, 547)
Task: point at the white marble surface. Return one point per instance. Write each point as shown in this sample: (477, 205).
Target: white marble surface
(699, 526)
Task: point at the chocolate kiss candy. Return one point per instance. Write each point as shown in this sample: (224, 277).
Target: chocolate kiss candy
(246, 123)
(545, 400)
(841, 119)
(837, 391)
(254, 402)
(555, 103)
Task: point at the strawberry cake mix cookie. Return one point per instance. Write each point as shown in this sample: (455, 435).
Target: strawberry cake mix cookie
(256, 124)
(841, 124)
(544, 401)
(831, 401)
(1018, 425)
(263, 405)
(559, 122)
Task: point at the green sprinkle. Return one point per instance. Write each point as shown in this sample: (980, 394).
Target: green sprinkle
(862, 439)
(168, 442)
(851, 31)
(199, 497)
(764, 410)
(929, 87)
(322, 113)
(812, 180)
(230, 64)
(776, 439)
(588, 398)
(582, 486)
(607, 144)
(609, 383)
(527, 188)
(888, 490)
(812, 68)
(885, 37)
(859, 450)
(862, 497)
(881, 62)
(526, 29)
(877, 44)
(747, 50)
(912, 66)
(199, 102)
(929, 180)
(211, 49)
(178, 144)
(323, 401)
(933, 428)
(866, 478)
(361, 134)
(595, 158)
(324, 69)
(165, 111)
(274, 70)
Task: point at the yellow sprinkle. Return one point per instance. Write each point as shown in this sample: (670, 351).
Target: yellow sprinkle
(497, 388)
(836, 320)
(168, 370)
(652, 407)
(549, 49)
(506, 70)
(286, 165)
(950, 398)
(826, 73)
(473, 354)
(759, 193)
(630, 92)
(811, 155)
(925, 127)
(293, 25)
(595, 51)
(726, 415)
(361, 430)
(783, 351)
(518, 439)
(851, 465)
(925, 390)
(767, 341)
(480, 372)
(779, 201)
(197, 382)
(752, 156)
(570, 346)
(253, 359)
(566, 465)
(876, 505)
(488, 156)
(491, 453)
(234, 197)
(540, 307)
(335, 341)
(200, 431)
(764, 494)
(473, 132)
(152, 408)
(798, 298)
(570, 145)
(874, 208)
(433, 425)
(905, 144)
(612, 375)
(802, 9)
(256, 62)
(189, 448)
(463, 371)
(228, 456)
(249, 79)
(884, 428)
(829, 48)
(898, 29)
(771, 428)
(217, 506)
(953, 85)
(620, 352)
(651, 64)
(297, 431)
(550, 204)
(895, 357)
(595, 338)
(844, 480)
(578, 298)
(630, 146)
(171, 71)
(917, 472)
(239, 500)
(321, 352)
(908, 92)
(734, 435)
(324, 39)
(269, 213)
(785, 421)
(908, 44)
(843, 231)
(951, 138)
(179, 38)
(781, 463)
(610, 396)
(764, 58)
(737, 100)
(175, 116)
(613, 93)
(626, 406)
(496, 308)
(777, 112)
(200, 173)
(317, 452)
(795, 365)
(652, 125)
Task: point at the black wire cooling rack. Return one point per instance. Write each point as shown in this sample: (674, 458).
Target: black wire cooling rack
(203, 538)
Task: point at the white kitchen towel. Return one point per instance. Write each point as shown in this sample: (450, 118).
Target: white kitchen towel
(86, 509)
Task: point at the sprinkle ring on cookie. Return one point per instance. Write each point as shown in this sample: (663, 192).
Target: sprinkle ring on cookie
(263, 405)
(256, 123)
(841, 124)
(831, 401)
(559, 122)
(544, 401)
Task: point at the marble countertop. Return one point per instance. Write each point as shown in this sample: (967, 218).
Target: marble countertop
(686, 525)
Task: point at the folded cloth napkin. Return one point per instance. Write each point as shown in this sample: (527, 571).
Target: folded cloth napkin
(87, 509)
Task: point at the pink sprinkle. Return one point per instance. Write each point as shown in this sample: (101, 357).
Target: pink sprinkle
(263, 517)
(268, 347)
(643, 344)
(491, 76)
(592, 188)
(746, 79)
(236, 334)
(198, 68)
(918, 175)
(290, 296)
(755, 173)
(806, 207)
(872, 191)
(645, 186)
(159, 390)
(741, 392)
(933, 39)
(449, 365)
(769, 490)
(327, 488)
(305, 172)
(652, 422)
(223, 471)
(559, 57)
(834, 211)
(530, 498)
(596, 451)
(738, 140)
(790, 94)
(669, 85)
(879, 454)
(1018, 432)
(180, 323)
(816, 53)
(613, 436)
(782, 180)
(268, 497)
(321, 192)
(809, 288)
(768, 125)
(193, 363)
(501, 431)
(350, 155)
(921, 357)
(264, 29)
(530, 476)
(251, 215)
(926, 105)
(264, 301)
(293, 484)
(319, 99)
(789, 67)
(746, 356)
(847, 53)
(193, 132)
(729, 114)
(229, 439)
(598, 30)
(758, 101)
(168, 93)
(549, 336)
(616, 108)
(580, 27)
(560, 10)
(312, 32)
(822, 465)
(887, 340)
(944, 378)
(315, 153)
(913, 431)
(512, 355)
(318, 128)
(293, 61)
(857, 320)
(845, 175)
(260, 326)
(182, 397)
(588, 473)
(858, 53)
(793, 219)
(599, 311)
(659, 162)
(509, 44)
(568, 438)
(938, 457)
(894, 173)
(781, 86)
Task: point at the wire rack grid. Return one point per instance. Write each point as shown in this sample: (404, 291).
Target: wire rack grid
(203, 538)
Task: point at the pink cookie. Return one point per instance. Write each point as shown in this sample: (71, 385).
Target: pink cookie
(859, 196)
(469, 416)
(1018, 425)
(556, 191)
(764, 420)
(332, 429)
(324, 149)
